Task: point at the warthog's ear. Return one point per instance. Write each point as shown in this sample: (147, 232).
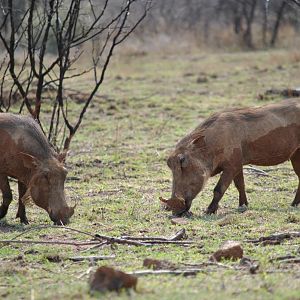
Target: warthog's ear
(199, 141)
(29, 161)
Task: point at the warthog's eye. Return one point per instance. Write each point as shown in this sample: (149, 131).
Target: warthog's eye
(46, 177)
(181, 158)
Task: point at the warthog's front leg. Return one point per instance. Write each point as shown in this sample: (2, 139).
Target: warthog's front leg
(7, 195)
(21, 209)
(219, 190)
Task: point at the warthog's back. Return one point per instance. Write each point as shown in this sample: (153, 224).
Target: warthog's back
(266, 135)
(25, 134)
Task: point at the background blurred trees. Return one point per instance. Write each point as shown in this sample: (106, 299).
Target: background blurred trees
(249, 23)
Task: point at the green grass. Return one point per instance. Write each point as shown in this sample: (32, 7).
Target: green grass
(119, 156)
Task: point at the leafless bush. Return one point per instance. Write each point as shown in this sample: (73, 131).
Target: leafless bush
(43, 40)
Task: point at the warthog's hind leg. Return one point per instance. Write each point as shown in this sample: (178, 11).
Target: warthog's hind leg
(295, 159)
(240, 185)
(21, 209)
(6, 194)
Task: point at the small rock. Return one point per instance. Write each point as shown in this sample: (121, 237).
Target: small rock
(202, 79)
(156, 264)
(227, 220)
(109, 279)
(229, 250)
(249, 263)
(188, 74)
(179, 221)
(31, 251)
(54, 258)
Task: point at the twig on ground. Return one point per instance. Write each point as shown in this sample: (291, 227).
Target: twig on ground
(154, 242)
(278, 258)
(179, 235)
(120, 240)
(174, 239)
(289, 259)
(72, 243)
(95, 246)
(210, 263)
(257, 171)
(186, 272)
(275, 237)
(99, 238)
(91, 258)
(284, 92)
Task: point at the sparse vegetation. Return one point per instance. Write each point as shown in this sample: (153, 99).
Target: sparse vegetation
(117, 171)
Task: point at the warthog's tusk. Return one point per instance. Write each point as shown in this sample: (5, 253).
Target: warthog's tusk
(163, 200)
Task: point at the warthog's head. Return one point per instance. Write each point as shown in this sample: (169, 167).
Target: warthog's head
(189, 176)
(46, 187)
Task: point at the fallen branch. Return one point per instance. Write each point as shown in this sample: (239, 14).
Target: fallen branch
(278, 258)
(73, 243)
(286, 259)
(257, 171)
(284, 92)
(91, 258)
(275, 237)
(95, 246)
(179, 235)
(99, 238)
(175, 239)
(186, 272)
(120, 240)
(291, 260)
(148, 241)
(154, 242)
(210, 263)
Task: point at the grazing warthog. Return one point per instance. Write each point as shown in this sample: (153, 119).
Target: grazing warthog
(26, 155)
(223, 143)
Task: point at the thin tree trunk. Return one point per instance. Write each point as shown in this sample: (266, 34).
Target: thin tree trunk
(265, 26)
(249, 21)
(280, 13)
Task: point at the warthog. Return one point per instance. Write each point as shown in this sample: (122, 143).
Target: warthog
(26, 155)
(223, 143)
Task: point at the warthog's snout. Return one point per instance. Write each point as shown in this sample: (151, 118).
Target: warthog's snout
(63, 216)
(176, 205)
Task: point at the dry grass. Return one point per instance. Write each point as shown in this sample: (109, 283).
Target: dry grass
(118, 160)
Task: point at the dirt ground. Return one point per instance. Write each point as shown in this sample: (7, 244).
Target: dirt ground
(117, 171)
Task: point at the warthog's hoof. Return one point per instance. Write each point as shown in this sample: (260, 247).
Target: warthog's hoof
(187, 214)
(3, 211)
(242, 208)
(24, 221)
(211, 210)
(23, 218)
